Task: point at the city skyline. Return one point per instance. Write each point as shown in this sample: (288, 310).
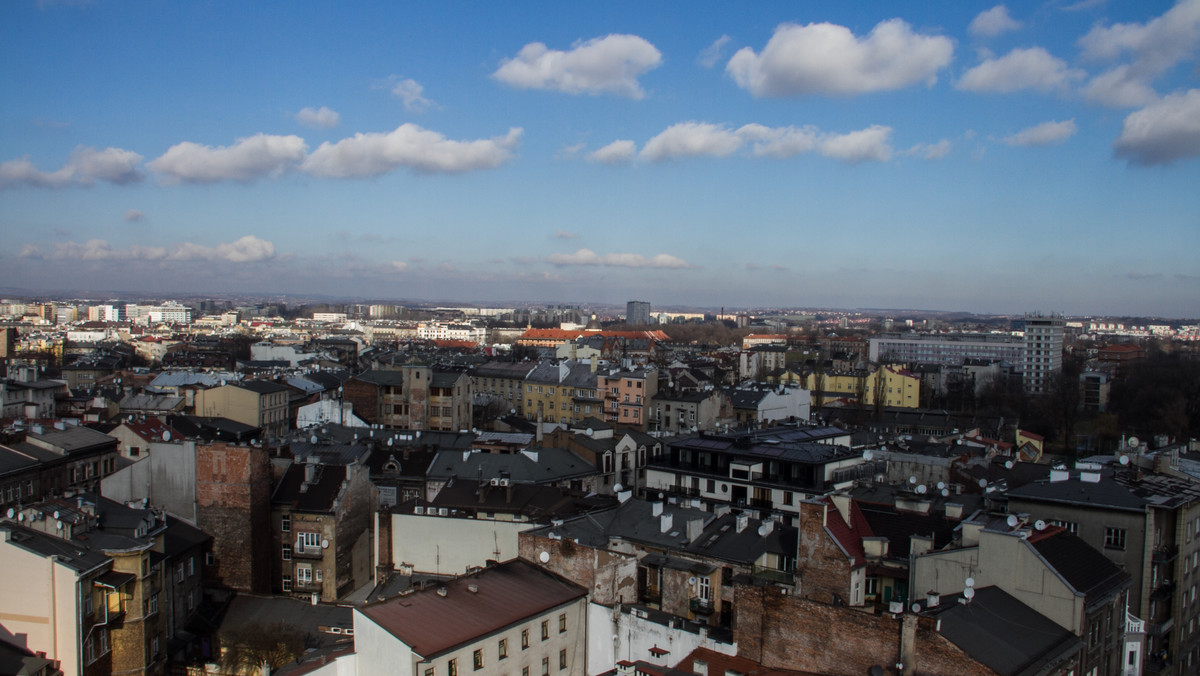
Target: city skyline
(978, 157)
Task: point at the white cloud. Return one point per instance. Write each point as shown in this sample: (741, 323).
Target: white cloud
(318, 118)
(607, 65)
(824, 58)
(1163, 132)
(712, 53)
(587, 257)
(133, 216)
(689, 139)
(408, 146)
(1154, 47)
(1044, 134)
(859, 146)
(780, 142)
(565, 234)
(246, 160)
(399, 266)
(411, 93)
(992, 22)
(248, 249)
(930, 151)
(84, 167)
(617, 152)
(1029, 68)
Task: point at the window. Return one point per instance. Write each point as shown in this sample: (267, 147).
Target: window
(477, 659)
(545, 629)
(91, 650)
(287, 553)
(191, 566)
(103, 634)
(562, 623)
(179, 573)
(524, 671)
(429, 671)
(304, 575)
(452, 668)
(545, 666)
(562, 659)
(524, 639)
(1114, 538)
(872, 586)
(308, 541)
(285, 523)
(502, 648)
(152, 605)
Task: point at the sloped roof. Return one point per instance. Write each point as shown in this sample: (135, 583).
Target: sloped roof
(1084, 568)
(318, 496)
(512, 592)
(542, 465)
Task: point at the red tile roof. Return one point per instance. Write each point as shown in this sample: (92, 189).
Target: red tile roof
(507, 594)
(719, 664)
(849, 535)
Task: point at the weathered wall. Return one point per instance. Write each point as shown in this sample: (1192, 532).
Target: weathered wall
(233, 490)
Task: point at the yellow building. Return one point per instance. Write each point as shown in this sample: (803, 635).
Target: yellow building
(897, 387)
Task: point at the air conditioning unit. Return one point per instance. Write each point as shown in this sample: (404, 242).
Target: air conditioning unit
(494, 482)
(443, 511)
(419, 510)
(503, 482)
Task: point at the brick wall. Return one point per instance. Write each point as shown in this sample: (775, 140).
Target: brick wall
(823, 568)
(611, 577)
(790, 632)
(233, 491)
(364, 398)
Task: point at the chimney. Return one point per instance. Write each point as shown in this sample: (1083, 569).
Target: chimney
(932, 599)
(666, 521)
(656, 508)
(743, 520)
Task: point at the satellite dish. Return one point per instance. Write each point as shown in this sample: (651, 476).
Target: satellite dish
(983, 483)
(868, 455)
(1012, 520)
(313, 439)
(1124, 460)
(58, 525)
(1134, 442)
(589, 431)
(324, 544)
(970, 582)
(941, 485)
(11, 512)
(166, 435)
(968, 593)
(1008, 464)
(618, 487)
(1039, 524)
(921, 489)
(945, 492)
(56, 514)
(912, 479)
(916, 607)
(544, 557)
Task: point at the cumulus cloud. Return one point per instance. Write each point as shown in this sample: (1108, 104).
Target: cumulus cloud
(779, 142)
(712, 53)
(607, 65)
(411, 93)
(1163, 132)
(84, 167)
(409, 146)
(930, 151)
(824, 58)
(133, 216)
(246, 160)
(248, 249)
(690, 139)
(1153, 48)
(992, 22)
(694, 139)
(318, 118)
(1044, 134)
(617, 152)
(587, 257)
(1028, 68)
(859, 146)
(564, 234)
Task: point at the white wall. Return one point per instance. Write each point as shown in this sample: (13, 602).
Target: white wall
(447, 545)
(615, 636)
(378, 651)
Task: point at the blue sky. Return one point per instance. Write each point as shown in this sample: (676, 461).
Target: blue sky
(957, 156)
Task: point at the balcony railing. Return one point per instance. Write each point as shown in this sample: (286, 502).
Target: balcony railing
(773, 575)
(1133, 625)
(1163, 591)
(761, 503)
(686, 491)
(701, 606)
(1164, 554)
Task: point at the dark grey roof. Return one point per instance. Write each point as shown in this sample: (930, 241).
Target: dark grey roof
(73, 439)
(446, 378)
(1106, 493)
(1004, 634)
(1085, 569)
(722, 540)
(382, 377)
(631, 520)
(542, 465)
(18, 661)
(261, 386)
(70, 553)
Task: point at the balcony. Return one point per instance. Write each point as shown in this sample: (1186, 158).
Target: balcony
(309, 553)
(761, 503)
(686, 491)
(1163, 591)
(1164, 554)
(701, 607)
(773, 575)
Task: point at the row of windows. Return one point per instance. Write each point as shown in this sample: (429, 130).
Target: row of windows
(477, 658)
